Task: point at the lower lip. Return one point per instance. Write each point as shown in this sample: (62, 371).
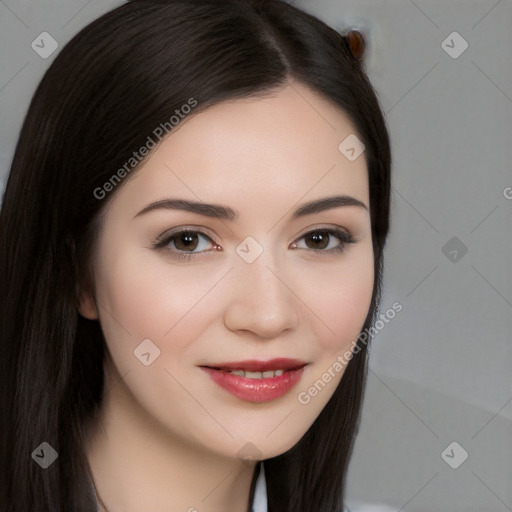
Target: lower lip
(255, 390)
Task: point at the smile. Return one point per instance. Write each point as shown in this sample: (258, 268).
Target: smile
(257, 381)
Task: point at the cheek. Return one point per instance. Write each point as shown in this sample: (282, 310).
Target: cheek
(346, 309)
(340, 298)
(341, 308)
(150, 299)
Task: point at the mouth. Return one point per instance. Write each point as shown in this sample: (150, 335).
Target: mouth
(259, 369)
(257, 381)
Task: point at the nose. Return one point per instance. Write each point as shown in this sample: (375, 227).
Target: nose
(262, 299)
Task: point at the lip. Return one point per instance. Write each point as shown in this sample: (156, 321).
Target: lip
(257, 390)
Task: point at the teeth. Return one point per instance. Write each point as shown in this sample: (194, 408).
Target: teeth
(258, 375)
(253, 375)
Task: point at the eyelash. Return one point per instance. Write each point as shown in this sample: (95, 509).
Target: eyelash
(162, 241)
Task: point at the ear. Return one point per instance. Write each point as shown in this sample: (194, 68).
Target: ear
(85, 300)
(86, 304)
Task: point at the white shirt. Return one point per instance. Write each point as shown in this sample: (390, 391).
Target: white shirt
(260, 503)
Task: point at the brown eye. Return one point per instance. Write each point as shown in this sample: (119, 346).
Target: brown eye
(319, 239)
(185, 241)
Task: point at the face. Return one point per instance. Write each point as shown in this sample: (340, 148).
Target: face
(260, 285)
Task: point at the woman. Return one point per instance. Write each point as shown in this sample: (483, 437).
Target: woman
(192, 243)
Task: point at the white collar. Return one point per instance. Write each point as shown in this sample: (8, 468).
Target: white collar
(260, 503)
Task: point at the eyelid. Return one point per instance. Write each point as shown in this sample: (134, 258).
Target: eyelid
(334, 227)
(189, 228)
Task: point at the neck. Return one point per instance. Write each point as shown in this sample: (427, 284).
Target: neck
(138, 465)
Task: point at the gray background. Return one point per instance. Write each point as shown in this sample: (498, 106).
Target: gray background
(440, 371)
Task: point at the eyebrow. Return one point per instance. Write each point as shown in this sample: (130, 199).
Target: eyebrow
(225, 212)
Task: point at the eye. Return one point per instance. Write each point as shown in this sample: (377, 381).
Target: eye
(321, 240)
(186, 242)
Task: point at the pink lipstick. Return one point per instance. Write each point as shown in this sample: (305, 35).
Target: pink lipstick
(257, 381)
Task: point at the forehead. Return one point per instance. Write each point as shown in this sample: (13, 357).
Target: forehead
(275, 149)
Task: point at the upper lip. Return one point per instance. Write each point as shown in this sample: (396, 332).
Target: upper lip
(260, 366)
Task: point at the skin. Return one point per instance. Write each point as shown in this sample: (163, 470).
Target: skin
(263, 157)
